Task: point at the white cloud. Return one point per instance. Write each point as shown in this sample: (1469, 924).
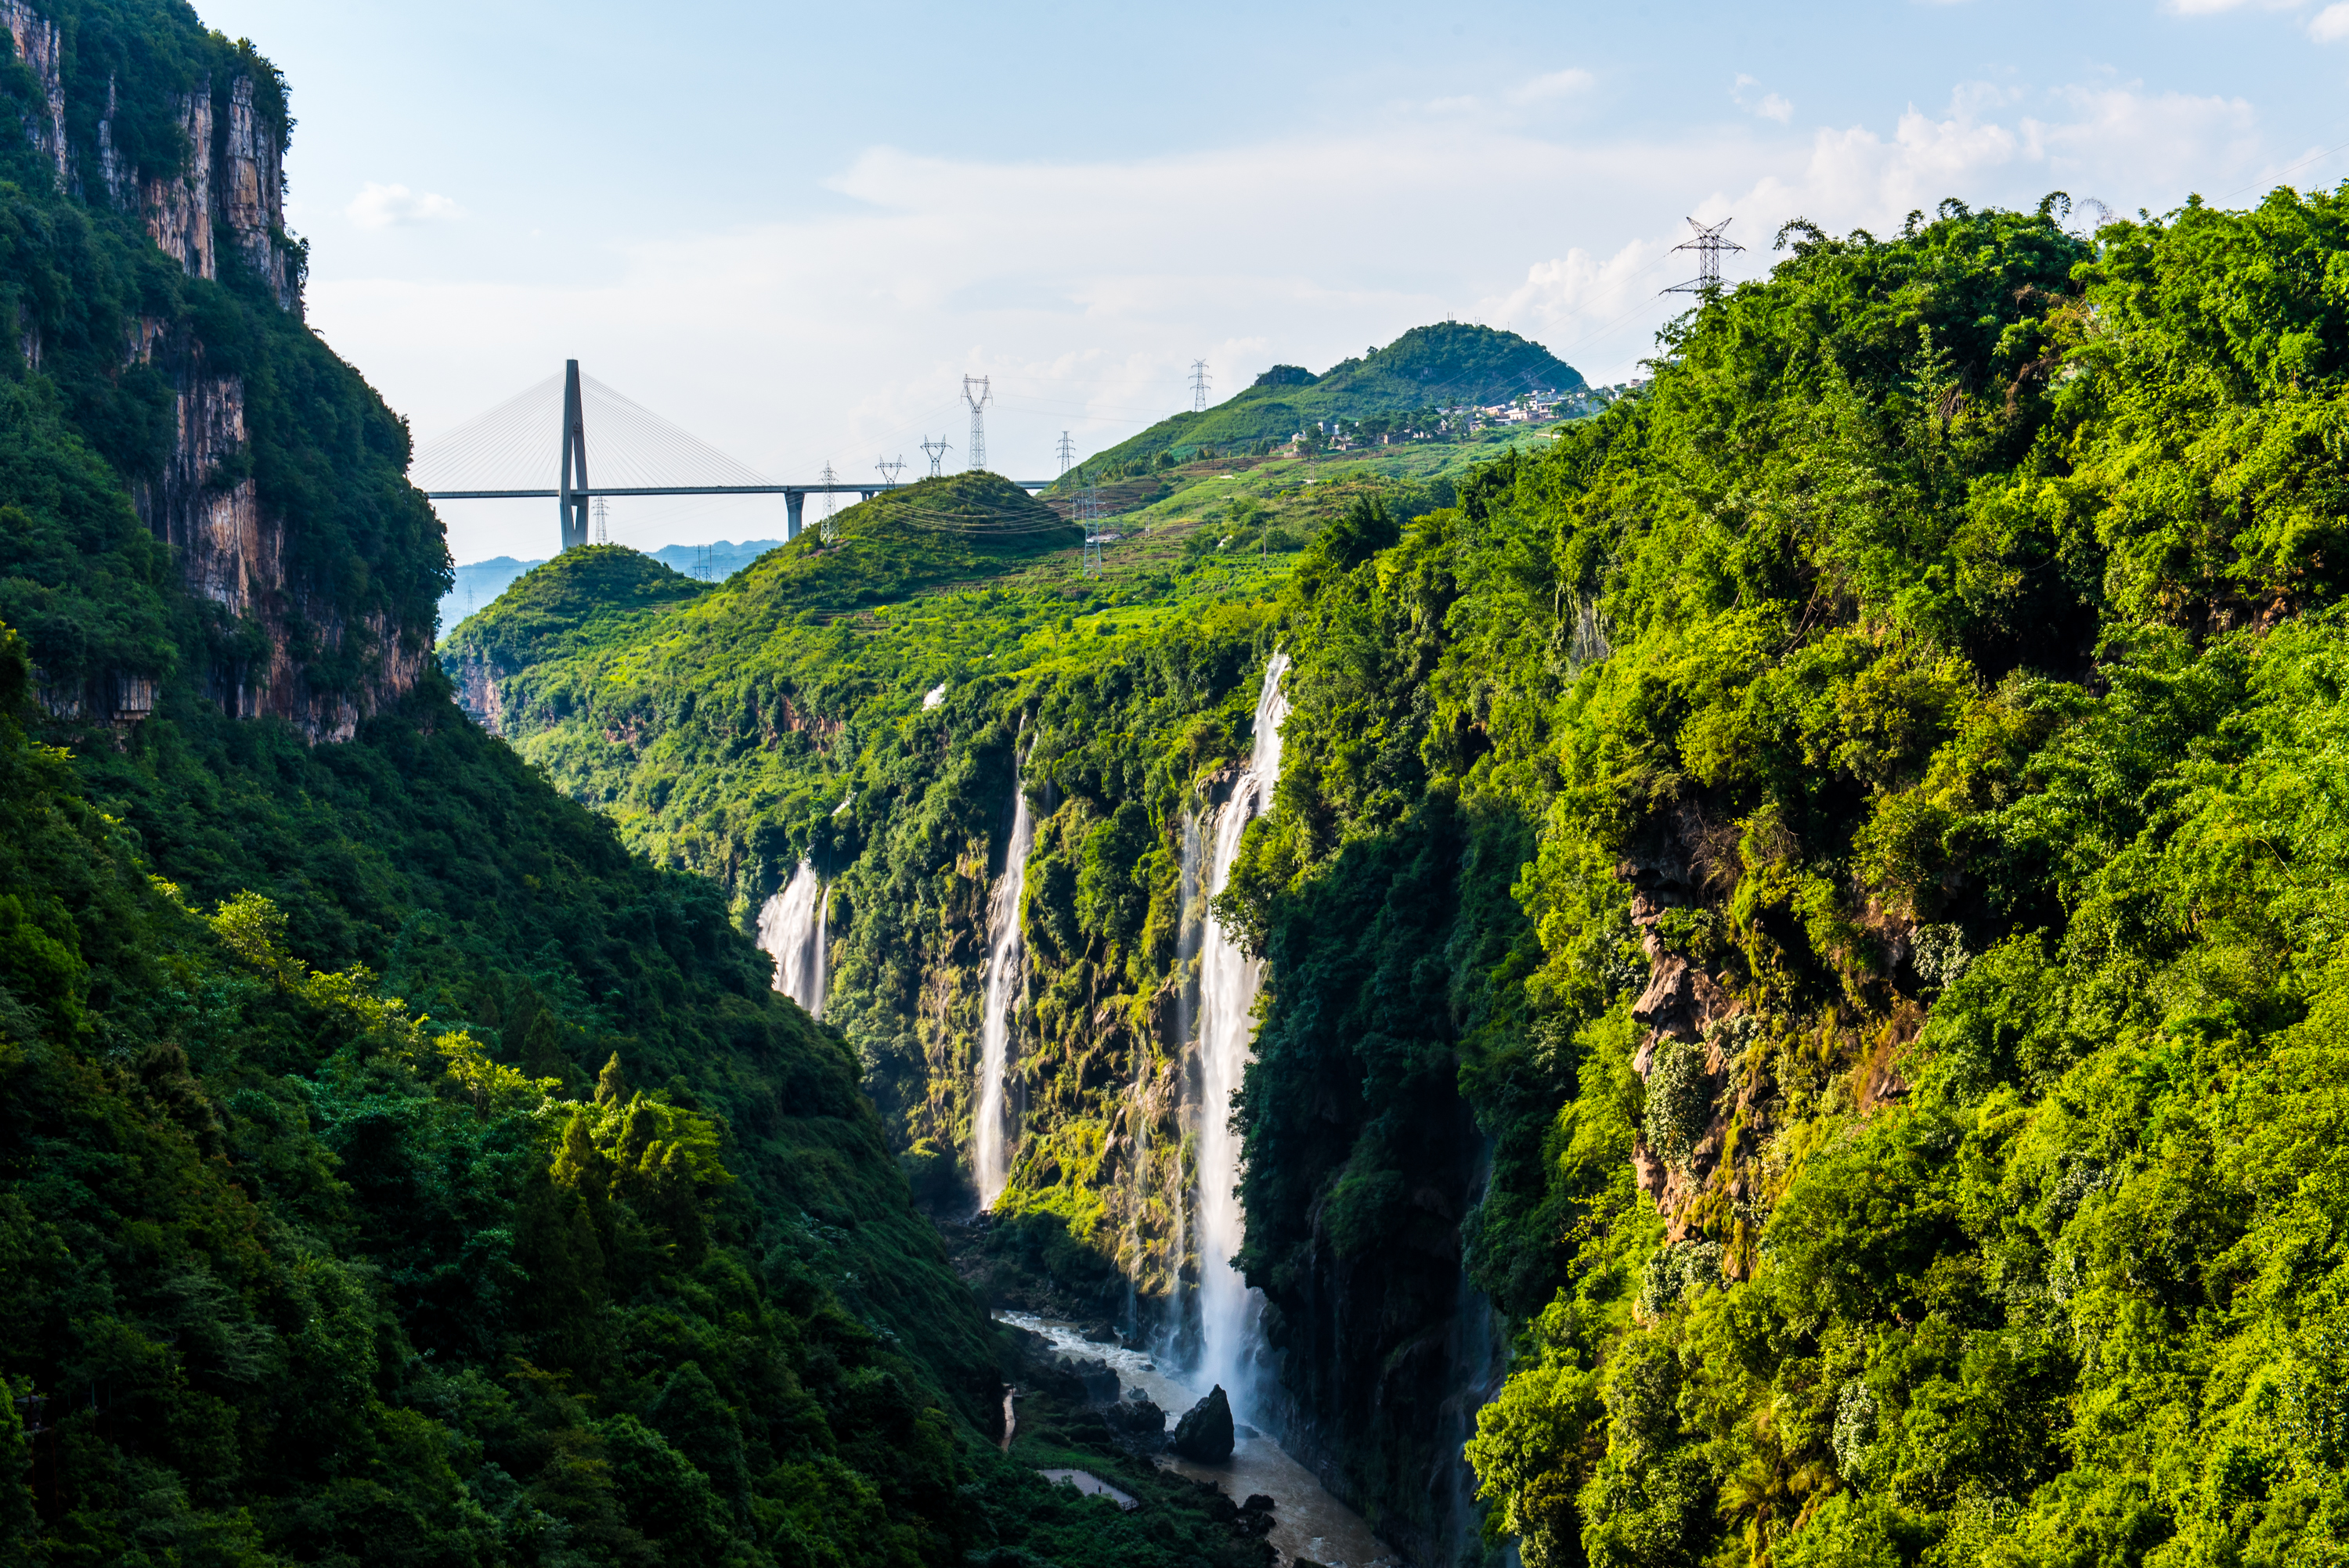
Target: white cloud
(1772, 107)
(2213, 7)
(1556, 84)
(2331, 25)
(396, 207)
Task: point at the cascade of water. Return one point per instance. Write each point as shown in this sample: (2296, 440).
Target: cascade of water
(822, 963)
(790, 929)
(1191, 926)
(990, 1166)
(1228, 1309)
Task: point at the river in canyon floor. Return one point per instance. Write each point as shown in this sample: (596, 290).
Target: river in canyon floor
(1307, 1521)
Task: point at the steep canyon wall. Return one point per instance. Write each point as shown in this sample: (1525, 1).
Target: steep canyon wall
(178, 148)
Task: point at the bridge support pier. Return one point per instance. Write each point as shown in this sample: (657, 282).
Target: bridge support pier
(794, 510)
(574, 481)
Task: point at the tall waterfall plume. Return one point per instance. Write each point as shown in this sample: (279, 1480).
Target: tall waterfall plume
(792, 930)
(989, 1162)
(1228, 1309)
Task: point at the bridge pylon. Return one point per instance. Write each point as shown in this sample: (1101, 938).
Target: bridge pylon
(574, 497)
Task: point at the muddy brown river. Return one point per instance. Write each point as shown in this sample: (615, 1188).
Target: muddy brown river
(1308, 1523)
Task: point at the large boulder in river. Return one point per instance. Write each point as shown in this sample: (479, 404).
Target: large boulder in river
(1101, 1385)
(1205, 1432)
(1139, 1426)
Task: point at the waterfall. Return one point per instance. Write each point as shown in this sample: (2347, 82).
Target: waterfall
(1228, 1309)
(792, 930)
(1191, 926)
(989, 1165)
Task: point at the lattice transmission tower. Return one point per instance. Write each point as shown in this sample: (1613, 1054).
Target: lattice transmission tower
(829, 530)
(1086, 513)
(1198, 385)
(936, 451)
(890, 468)
(976, 451)
(1068, 453)
(1708, 244)
(602, 521)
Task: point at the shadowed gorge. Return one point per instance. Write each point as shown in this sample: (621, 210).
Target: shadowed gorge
(394, 1167)
(1755, 976)
(1796, 919)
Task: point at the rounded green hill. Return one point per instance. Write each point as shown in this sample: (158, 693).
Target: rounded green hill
(1446, 365)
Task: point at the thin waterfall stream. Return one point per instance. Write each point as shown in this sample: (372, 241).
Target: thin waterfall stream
(791, 931)
(1230, 1335)
(989, 1148)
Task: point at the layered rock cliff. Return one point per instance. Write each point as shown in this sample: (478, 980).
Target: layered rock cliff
(176, 142)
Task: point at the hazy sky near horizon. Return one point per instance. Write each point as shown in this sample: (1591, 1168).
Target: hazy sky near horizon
(792, 230)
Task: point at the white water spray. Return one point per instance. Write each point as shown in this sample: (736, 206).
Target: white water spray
(792, 930)
(989, 1163)
(1228, 1309)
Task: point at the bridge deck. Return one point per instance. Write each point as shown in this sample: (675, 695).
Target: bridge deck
(592, 490)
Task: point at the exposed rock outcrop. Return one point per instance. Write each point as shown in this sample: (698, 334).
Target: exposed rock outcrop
(233, 179)
(1138, 1424)
(178, 205)
(231, 551)
(1205, 1433)
(229, 190)
(41, 47)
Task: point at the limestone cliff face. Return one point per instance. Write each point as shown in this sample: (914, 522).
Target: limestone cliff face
(232, 185)
(476, 680)
(225, 199)
(42, 48)
(231, 551)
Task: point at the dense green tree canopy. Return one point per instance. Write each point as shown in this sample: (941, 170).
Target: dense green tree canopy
(1925, 704)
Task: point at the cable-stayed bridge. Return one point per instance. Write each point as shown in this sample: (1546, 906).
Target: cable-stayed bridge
(492, 457)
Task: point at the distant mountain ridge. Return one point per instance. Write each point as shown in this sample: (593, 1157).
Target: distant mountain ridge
(1444, 365)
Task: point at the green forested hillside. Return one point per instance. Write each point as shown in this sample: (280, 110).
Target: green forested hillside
(394, 1169)
(1428, 368)
(740, 732)
(1814, 897)
(1857, 829)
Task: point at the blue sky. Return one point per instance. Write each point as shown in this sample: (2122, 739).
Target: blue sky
(792, 230)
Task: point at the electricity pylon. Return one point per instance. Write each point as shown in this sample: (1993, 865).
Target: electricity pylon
(1198, 385)
(1708, 246)
(890, 468)
(978, 450)
(1068, 453)
(829, 531)
(1088, 516)
(936, 451)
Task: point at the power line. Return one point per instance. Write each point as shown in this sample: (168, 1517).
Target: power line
(890, 468)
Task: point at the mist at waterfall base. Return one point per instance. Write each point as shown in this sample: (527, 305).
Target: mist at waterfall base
(790, 931)
(1230, 1338)
(990, 1162)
